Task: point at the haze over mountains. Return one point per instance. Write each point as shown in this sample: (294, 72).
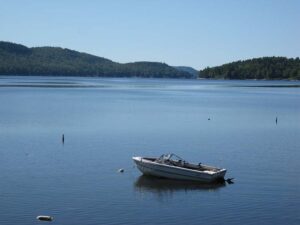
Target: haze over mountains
(188, 69)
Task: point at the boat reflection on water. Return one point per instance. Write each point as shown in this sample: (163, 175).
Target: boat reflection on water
(162, 186)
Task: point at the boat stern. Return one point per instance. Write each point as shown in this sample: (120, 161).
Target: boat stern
(221, 173)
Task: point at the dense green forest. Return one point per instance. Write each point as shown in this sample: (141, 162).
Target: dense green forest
(16, 59)
(269, 68)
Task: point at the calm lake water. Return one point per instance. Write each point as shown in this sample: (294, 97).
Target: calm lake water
(107, 121)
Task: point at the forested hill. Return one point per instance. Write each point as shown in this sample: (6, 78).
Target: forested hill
(188, 69)
(270, 68)
(16, 59)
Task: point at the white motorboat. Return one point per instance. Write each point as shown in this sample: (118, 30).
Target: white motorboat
(173, 167)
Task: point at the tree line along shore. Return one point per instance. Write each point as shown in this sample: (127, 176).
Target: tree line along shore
(16, 59)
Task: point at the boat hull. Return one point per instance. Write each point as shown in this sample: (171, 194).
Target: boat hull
(148, 167)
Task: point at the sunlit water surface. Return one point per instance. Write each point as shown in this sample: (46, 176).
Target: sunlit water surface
(229, 124)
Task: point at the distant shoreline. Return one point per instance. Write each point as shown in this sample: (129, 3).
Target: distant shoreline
(16, 59)
(144, 78)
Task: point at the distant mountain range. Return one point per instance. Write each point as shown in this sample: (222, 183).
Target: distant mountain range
(16, 59)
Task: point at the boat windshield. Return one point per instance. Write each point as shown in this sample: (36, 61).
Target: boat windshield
(169, 157)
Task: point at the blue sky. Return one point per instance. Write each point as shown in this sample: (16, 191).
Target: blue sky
(188, 32)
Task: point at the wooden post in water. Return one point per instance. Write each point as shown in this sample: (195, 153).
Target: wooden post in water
(63, 139)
